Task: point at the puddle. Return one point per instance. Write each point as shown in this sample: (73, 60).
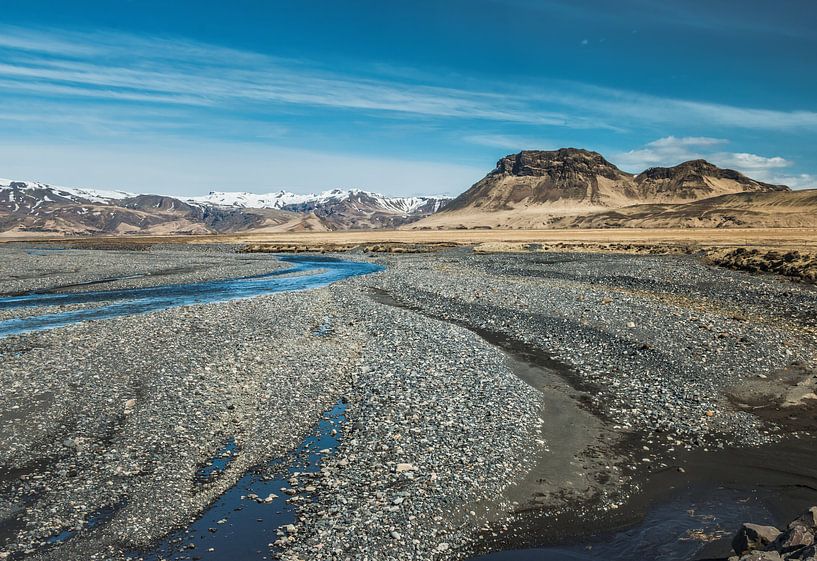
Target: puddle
(218, 463)
(242, 523)
(97, 518)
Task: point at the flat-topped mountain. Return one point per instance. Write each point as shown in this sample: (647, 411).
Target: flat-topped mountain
(568, 178)
(535, 189)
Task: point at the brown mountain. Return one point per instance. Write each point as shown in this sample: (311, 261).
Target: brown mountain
(567, 178)
(695, 180)
(545, 189)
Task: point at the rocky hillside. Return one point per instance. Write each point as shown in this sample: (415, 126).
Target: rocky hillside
(773, 209)
(572, 187)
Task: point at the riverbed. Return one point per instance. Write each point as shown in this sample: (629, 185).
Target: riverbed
(608, 385)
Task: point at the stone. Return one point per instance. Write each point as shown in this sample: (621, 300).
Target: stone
(807, 519)
(762, 556)
(404, 467)
(796, 537)
(754, 536)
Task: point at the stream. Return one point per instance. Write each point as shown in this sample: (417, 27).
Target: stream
(307, 272)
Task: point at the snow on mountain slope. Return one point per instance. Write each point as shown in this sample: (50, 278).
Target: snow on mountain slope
(283, 199)
(30, 206)
(74, 194)
(252, 200)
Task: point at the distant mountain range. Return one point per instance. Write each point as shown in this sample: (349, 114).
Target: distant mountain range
(336, 209)
(31, 208)
(575, 188)
(566, 188)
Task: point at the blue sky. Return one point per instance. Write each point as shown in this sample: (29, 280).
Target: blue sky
(398, 97)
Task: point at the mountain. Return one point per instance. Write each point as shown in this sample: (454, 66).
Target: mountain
(566, 179)
(338, 209)
(31, 208)
(695, 180)
(542, 189)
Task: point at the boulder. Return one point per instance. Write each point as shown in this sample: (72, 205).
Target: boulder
(796, 537)
(754, 536)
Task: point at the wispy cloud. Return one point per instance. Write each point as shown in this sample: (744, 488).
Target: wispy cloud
(509, 142)
(161, 70)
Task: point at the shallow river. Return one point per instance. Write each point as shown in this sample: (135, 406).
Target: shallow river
(306, 272)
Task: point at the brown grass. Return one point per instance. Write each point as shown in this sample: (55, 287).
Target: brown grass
(784, 238)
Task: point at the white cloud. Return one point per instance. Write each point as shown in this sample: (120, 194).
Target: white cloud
(670, 151)
(745, 161)
(674, 142)
(799, 181)
(667, 151)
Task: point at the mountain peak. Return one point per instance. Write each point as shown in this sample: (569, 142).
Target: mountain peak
(557, 163)
(696, 178)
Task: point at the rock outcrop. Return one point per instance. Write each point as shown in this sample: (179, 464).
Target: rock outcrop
(767, 543)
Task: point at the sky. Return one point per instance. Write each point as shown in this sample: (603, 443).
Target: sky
(403, 98)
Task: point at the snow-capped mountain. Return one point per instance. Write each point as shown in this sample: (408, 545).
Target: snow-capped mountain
(284, 199)
(30, 206)
(32, 194)
(252, 200)
(338, 209)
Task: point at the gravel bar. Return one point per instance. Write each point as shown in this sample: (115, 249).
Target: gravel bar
(478, 388)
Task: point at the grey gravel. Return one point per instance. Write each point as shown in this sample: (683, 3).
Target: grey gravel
(448, 435)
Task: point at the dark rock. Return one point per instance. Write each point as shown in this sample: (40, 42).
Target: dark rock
(754, 536)
(796, 537)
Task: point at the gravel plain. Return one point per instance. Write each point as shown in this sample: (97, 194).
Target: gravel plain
(478, 388)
